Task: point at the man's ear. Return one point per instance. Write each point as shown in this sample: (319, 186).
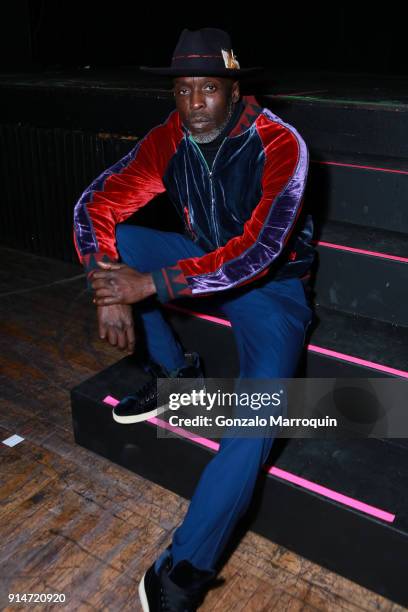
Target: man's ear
(235, 93)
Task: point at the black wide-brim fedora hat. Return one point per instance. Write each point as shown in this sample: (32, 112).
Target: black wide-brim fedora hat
(205, 52)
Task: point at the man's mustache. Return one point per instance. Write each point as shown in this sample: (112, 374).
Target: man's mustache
(198, 118)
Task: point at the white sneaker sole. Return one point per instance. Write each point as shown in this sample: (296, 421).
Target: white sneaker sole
(142, 595)
(138, 418)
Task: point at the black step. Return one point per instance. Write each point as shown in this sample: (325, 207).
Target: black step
(363, 190)
(362, 271)
(339, 344)
(345, 124)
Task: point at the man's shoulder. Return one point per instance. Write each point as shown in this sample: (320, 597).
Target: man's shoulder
(274, 124)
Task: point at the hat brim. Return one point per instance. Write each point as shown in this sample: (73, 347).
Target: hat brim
(227, 72)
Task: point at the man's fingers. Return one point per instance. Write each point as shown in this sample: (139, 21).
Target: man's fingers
(130, 333)
(109, 266)
(102, 330)
(102, 274)
(112, 336)
(101, 282)
(121, 339)
(105, 292)
(107, 301)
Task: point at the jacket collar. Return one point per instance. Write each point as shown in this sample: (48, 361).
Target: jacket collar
(251, 111)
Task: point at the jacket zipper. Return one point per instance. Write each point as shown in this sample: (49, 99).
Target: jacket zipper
(210, 173)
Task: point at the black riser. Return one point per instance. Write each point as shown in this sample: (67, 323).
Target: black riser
(370, 198)
(346, 128)
(362, 284)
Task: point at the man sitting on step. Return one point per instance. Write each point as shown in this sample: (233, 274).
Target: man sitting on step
(236, 173)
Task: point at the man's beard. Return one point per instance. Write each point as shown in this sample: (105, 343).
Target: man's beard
(213, 134)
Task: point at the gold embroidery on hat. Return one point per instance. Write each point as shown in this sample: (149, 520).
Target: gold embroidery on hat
(230, 60)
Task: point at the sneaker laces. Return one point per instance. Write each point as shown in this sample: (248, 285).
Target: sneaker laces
(175, 599)
(147, 392)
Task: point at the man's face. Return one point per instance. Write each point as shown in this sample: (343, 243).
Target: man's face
(205, 104)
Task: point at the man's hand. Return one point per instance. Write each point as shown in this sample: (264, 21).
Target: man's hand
(119, 284)
(115, 324)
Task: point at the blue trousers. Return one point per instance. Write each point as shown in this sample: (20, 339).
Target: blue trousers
(269, 323)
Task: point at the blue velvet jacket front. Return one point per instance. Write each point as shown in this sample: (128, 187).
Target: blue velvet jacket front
(246, 211)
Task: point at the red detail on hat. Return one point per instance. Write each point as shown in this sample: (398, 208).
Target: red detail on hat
(194, 55)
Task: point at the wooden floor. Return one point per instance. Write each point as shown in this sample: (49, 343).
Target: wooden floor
(72, 522)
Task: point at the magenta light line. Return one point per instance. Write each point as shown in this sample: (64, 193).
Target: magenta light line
(348, 165)
(200, 315)
(275, 471)
(185, 434)
(358, 360)
(112, 401)
(341, 247)
(331, 494)
(310, 347)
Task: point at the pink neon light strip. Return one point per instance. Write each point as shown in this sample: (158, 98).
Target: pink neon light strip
(275, 471)
(310, 347)
(185, 434)
(330, 493)
(348, 165)
(351, 359)
(341, 247)
(199, 315)
(353, 249)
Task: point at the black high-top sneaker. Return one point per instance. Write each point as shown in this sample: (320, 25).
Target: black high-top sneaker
(179, 589)
(143, 403)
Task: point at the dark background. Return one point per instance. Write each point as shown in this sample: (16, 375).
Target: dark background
(344, 37)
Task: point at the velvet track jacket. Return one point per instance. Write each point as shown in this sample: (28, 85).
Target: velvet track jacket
(245, 211)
